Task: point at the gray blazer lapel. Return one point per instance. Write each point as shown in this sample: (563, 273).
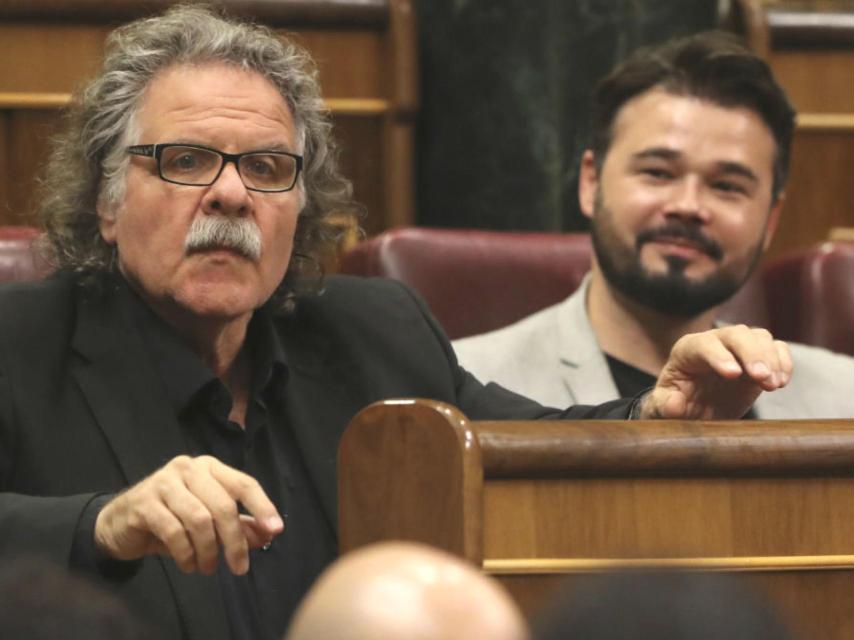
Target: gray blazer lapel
(584, 368)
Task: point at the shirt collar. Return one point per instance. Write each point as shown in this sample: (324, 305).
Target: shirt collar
(183, 372)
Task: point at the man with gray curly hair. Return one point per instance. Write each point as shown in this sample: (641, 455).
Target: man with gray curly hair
(171, 400)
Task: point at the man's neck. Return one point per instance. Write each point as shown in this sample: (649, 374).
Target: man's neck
(220, 345)
(633, 333)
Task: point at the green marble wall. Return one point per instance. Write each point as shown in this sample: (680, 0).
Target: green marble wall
(505, 87)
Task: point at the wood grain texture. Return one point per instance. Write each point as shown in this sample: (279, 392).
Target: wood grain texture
(820, 193)
(771, 500)
(410, 471)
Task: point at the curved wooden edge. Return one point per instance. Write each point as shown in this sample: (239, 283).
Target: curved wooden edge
(661, 448)
(34, 100)
(829, 122)
(546, 566)
(272, 12)
(410, 469)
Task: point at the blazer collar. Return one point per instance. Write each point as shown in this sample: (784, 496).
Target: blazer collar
(320, 401)
(583, 367)
(116, 376)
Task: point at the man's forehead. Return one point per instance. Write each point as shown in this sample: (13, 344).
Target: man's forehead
(660, 123)
(201, 99)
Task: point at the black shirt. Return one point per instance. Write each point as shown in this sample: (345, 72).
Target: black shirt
(259, 605)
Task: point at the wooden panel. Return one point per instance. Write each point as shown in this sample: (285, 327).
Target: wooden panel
(816, 81)
(51, 58)
(773, 500)
(362, 158)
(657, 518)
(820, 194)
(29, 134)
(5, 208)
(350, 62)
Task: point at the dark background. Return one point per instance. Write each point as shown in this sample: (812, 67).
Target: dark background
(505, 87)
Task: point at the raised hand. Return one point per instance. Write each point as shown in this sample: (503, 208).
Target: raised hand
(718, 374)
(188, 509)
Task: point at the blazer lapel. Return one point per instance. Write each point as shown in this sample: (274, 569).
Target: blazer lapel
(320, 401)
(583, 365)
(124, 394)
(129, 404)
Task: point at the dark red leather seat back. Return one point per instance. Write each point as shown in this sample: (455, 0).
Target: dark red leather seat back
(476, 281)
(811, 296)
(18, 262)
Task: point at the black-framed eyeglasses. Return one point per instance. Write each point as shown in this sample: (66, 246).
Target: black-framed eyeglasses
(198, 166)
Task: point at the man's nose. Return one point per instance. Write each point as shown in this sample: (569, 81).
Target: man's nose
(228, 195)
(688, 199)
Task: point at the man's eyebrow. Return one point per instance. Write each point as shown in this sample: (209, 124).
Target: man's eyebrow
(661, 153)
(724, 166)
(738, 169)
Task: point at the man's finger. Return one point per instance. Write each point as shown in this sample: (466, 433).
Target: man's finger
(222, 509)
(256, 536)
(169, 530)
(785, 356)
(246, 490)
(192, 511)
(697, 351)
(757, 353)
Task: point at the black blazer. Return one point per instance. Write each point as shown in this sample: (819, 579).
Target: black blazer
(82, 412)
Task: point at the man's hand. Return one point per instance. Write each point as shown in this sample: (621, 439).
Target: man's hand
(186, 510)
(718, 374)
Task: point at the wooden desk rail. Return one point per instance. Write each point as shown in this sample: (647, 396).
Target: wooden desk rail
(535, 503)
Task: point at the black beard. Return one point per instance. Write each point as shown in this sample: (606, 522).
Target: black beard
(670, 293)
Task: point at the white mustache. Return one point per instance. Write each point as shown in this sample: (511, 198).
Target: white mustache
(222, 232)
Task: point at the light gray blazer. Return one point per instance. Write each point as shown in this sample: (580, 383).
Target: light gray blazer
(552, 356)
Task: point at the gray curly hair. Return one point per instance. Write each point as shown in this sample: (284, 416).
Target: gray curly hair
(88, 164)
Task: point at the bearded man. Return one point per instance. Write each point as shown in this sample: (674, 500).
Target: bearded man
(683, 184)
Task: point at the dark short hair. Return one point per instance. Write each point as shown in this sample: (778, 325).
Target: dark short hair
(712, 65)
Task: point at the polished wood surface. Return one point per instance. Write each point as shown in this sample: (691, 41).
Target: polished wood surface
(773, 500)
(820, 194)
(365, 51)
(424, 452)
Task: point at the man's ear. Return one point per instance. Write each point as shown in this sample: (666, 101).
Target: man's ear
(588, 183)
(773, 220)
(106, 221)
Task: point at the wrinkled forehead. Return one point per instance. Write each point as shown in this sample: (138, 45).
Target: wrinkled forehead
(214, 102)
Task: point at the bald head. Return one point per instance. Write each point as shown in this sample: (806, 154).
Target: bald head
(397, 590)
